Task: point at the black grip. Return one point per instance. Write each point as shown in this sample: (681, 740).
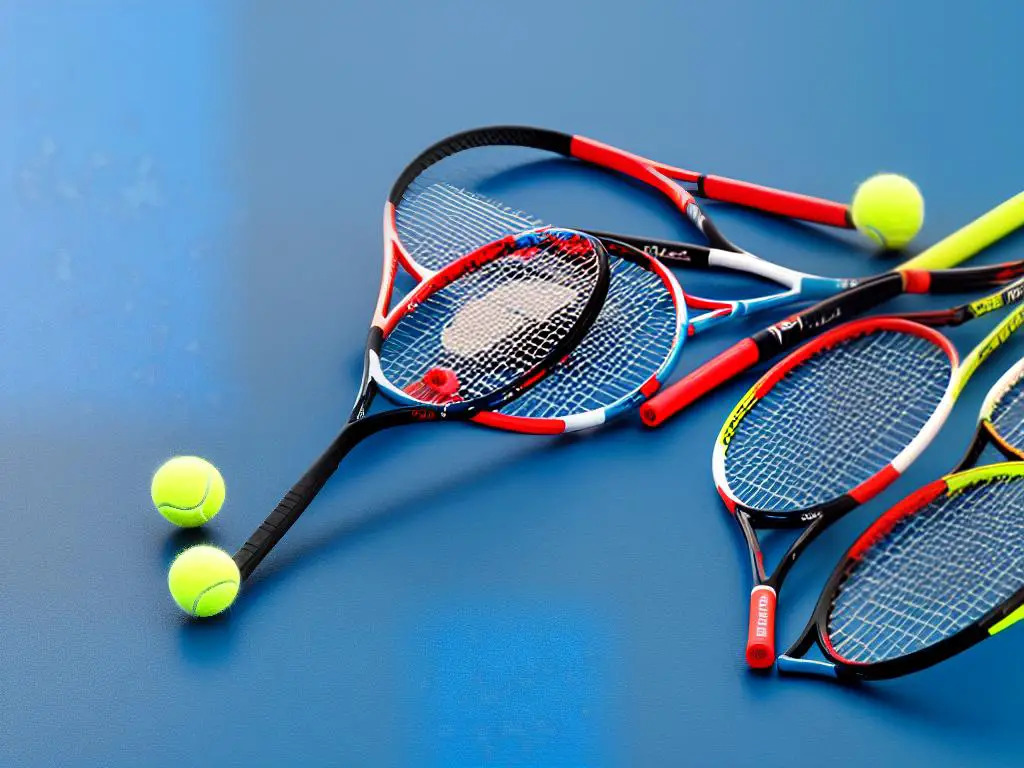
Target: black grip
(273, 528)
(295, 502)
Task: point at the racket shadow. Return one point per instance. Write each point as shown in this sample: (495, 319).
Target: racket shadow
(183, 538)
(209, 642)
(361, 526)
(926, 701)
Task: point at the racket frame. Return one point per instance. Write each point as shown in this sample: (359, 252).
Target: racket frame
(760, 652)
(719, 252)
(397, 254)
(816, 631)
(361, 425)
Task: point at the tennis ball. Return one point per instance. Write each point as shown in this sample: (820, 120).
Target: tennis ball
(889, 208)
(203, 580)
(188, 491)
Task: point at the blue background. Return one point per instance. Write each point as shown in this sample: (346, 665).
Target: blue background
(190, 199)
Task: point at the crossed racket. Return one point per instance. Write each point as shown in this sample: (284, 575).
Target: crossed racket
(552, 330)
(939, 572)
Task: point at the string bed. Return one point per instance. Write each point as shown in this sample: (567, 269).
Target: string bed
(835, 420)
(491, 326)
(634, 335)
(936, 572)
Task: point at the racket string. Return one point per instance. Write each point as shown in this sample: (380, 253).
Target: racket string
(491, 326)
(933, 574)
(635, 335)
(835, 420)
(440, 222)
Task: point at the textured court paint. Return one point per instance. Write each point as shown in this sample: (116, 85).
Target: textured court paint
(115, 205)
(515, 684)
(323, 659)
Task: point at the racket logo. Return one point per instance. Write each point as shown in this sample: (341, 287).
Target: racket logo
(806, 322)
(990, 303)
(696, 216)
(730, 426)
(821, 321)
(1011, 296)
(662, 252)
(424, 414)
(761, 616)
(783, 327)
(1004, 333)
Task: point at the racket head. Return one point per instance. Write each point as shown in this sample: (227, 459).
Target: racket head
(1002, 412)
(417, 231)
(472, 159)
(835, 422)
(939, 572)
(635, 341)
(489, 325)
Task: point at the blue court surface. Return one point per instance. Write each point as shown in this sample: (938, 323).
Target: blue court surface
(190, 206)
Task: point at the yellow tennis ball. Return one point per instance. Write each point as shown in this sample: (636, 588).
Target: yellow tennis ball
(203, 580)
(188, 491)
(889, 208)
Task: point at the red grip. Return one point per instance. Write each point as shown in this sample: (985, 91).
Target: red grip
(776, 201)
(718, 370)
(761, 632)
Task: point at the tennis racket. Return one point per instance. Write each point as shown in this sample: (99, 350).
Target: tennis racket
(435, 214)
(787, 334)
(637, 338)
(939, 572)
(472, 337)
(469, 159)
(628, 353)
(833, 424)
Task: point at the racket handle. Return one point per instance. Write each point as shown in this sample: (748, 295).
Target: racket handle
(277, 523)
(720, 369)
(776, 201)
(295, 502)
(761, 631)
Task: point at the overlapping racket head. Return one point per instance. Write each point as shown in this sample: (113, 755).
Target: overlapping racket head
(832, 417)
(835, 423)
(940, 571)
(630, 349)
(471, 337)
(931, 567)
(484, 325)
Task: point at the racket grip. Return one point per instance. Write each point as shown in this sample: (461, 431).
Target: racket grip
(272, 529)
(761, 631)
(718, 370)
